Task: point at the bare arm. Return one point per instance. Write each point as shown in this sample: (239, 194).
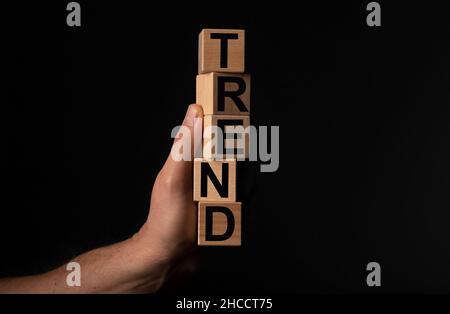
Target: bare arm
(143, 262)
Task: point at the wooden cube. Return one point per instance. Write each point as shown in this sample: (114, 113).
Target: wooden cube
(219, 224)
(219, 147)
(223, 94)
(221, 50)
(214, 180)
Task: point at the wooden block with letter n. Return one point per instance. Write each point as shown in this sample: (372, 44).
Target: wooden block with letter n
(223, 93)
(214, 180)
(221, 50)
(219, 224)
(234, 141)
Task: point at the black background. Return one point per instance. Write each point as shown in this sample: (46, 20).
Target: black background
(364, 155)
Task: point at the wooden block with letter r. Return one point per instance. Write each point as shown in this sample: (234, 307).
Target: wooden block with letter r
(223, 93)
(221, 50)
(214, 180)
(219, 224)
(234, 141)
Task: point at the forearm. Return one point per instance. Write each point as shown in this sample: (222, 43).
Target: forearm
(141, 263)
(125, 267)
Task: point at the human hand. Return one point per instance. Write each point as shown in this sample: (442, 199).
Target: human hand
(160, 250)
(170, 232)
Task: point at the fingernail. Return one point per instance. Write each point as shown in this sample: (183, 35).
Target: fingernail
(192, 113)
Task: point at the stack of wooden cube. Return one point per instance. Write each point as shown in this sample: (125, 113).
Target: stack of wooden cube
(223, 90)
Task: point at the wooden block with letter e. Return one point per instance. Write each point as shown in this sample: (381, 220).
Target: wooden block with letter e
(221, 50)
(219, 223)
(223, 93)
(214, 180)
(234, 141)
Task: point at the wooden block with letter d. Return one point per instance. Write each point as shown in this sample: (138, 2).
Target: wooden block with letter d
(223, 93)
(226, 137)
(214, 180)
(219, 224)
(221, 50)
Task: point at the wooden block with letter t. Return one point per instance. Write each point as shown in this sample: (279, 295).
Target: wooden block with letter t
(214, 180)
(219, 224)
(234, 142)
(221, 50)
(221, 93)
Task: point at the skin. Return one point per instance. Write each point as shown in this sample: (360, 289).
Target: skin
(162, 249)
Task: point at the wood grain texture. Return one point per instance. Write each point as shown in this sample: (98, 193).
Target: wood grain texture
(209, 52)
(219, 224)
(211, 141)
(212, 193)
(207, 94)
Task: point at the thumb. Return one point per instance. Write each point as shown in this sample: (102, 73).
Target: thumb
(192, 124)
